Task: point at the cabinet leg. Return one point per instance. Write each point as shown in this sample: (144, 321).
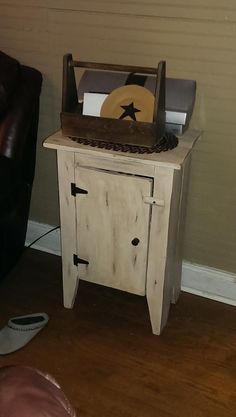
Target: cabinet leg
(159, 285)
(68, 226)
(180, 231)
(69, 276)
(158, 299)
(177, 282)
(70, 287)
(155, 316)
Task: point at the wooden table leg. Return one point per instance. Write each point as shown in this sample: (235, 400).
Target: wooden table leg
(180, 230)
(68, 226)
(159, 284)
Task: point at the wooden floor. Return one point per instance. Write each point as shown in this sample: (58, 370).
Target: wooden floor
(107, 360)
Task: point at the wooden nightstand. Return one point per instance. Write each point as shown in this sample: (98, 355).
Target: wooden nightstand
(122, 220)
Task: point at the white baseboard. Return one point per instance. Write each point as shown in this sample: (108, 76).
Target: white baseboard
(196, 279)
(209, 282)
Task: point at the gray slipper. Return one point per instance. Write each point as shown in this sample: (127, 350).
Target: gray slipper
(20, 330)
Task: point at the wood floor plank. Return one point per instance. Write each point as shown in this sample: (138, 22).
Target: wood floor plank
(105, 356)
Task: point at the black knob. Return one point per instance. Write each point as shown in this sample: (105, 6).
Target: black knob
(135, 241)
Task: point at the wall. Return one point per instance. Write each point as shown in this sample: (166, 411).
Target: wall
(197, 38)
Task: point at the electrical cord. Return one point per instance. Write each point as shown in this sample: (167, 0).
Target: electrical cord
(40, 237)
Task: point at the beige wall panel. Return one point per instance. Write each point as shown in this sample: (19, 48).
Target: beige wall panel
(129, 28)
(199, 4)
(214, 34)
(103, 29)
(157, 9)
(214, 144)
(39, 4)
(198, 40)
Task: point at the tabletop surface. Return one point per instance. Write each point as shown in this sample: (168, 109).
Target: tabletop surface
(172, 158)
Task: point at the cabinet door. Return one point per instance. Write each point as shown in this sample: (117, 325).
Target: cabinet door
(113, 228)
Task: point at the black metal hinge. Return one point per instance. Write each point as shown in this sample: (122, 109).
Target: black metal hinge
(76, 190)
(77, 261)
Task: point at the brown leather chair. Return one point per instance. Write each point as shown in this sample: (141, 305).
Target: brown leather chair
(20, 88)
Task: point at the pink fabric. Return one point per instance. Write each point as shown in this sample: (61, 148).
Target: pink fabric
(27, 392)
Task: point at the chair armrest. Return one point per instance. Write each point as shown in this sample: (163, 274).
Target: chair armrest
(15, 126)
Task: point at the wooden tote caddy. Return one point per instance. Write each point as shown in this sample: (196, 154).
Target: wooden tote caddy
(115, 133)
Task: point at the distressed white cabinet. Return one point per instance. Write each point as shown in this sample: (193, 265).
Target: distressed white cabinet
(122, 219)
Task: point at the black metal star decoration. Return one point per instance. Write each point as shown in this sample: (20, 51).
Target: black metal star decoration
(130, 111)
